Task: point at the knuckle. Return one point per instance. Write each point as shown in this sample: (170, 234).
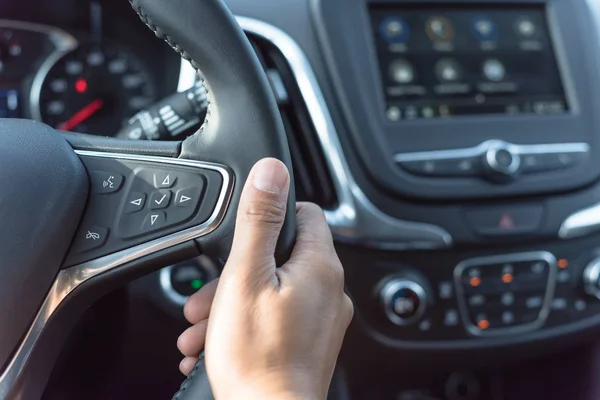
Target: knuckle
(348, 307)
(265, 212)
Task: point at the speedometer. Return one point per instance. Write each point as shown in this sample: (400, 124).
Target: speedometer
(93, 89)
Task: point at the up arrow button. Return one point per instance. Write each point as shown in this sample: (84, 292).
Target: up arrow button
(164, 180)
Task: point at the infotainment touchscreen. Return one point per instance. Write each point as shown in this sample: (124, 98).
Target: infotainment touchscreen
(443, 61)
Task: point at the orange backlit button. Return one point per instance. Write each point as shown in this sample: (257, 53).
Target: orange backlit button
(483, 324)
(563, 263)
(507, 278)
(475, 281)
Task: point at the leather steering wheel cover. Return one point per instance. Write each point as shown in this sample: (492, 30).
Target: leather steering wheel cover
(243, 123)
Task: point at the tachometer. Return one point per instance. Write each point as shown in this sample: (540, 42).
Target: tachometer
(93, 89)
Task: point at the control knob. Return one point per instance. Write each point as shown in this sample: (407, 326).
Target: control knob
(404, 301)
(501, 161)
(591, 278)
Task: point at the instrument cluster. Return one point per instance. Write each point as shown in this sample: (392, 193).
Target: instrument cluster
(75, 81)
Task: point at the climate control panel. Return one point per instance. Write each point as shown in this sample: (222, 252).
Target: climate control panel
(440, 297)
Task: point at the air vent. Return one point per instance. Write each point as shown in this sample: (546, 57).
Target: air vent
(312, 179)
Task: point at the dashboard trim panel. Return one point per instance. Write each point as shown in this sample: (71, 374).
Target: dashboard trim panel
(70, 279)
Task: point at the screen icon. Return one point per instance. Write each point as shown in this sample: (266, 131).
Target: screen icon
(439, 29)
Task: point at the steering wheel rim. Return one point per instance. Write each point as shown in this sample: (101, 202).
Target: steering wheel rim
(243, 125)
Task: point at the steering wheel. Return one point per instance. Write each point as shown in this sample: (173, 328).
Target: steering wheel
(81, 215)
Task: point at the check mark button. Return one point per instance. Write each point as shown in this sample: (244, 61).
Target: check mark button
(160, 199)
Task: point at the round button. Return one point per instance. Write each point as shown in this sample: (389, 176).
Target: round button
(494, 70)
(404, 301)
(484, 29)
(402, 72)
(439, 29)
(448, 70)
(501, 160)
(591, 278)
(526, 27)
(394, 30)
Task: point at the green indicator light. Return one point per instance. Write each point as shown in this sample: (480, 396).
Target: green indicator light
(196, 284)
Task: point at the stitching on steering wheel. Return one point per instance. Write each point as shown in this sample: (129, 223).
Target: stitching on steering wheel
(189, 378)
(162, 35)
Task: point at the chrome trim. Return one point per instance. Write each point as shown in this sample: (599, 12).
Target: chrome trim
(509, 258)
(492, 160)
(166, 284)
(481, 149)
(167, 287)
(581, 223)
(62, 40)
(591, 274)
(389, 290)
(69, 279)
(356, 219)
(64, 43)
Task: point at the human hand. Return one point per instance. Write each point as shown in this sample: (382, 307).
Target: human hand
(273, 333)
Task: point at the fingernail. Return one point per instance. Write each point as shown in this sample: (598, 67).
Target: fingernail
(270, 175)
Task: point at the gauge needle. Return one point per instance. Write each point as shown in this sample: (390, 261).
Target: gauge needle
(81, 115)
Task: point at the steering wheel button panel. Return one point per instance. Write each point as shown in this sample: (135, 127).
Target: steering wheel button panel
(104, 182)
(139, 211)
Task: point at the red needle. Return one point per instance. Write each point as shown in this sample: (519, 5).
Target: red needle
(81, 115)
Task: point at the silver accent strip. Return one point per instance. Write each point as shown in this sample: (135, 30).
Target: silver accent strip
(62, 40)
(581, 223)
(389, 290)
(356, 219)
(591, 274)
(481, 149)
(167, 287)
(509, 258)
(69, 279)
(64, 43)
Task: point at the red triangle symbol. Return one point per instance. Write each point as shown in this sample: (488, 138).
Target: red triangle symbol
(506, 222)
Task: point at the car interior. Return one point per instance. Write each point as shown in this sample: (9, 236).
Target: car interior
(450, 144)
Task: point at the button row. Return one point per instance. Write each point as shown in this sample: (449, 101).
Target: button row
(494, 157)
(504, 292)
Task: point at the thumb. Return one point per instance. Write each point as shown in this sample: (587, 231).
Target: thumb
(261, 213)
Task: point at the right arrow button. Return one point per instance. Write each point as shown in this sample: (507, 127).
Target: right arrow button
(188, 197)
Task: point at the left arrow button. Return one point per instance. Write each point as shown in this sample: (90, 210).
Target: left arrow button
(135, 202)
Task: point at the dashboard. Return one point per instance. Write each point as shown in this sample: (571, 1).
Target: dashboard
(452, 145)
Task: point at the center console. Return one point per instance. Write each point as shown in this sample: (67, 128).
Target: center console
(479, 118)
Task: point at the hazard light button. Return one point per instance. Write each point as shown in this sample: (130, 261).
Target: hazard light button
(505, 221)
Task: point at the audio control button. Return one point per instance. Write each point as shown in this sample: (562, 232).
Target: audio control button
(404, 301)
(104, 182)
(501, 161)
(551, 161)
(451, 167)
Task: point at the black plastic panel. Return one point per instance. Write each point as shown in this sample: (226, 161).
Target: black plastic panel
(443, 326)
(133, 202)
(346, 36)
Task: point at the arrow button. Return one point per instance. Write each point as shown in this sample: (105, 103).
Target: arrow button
(164, 180)
(187, 197)
(154, 221)
(135, 202)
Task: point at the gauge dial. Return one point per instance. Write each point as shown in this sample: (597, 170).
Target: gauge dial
(93, 89)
